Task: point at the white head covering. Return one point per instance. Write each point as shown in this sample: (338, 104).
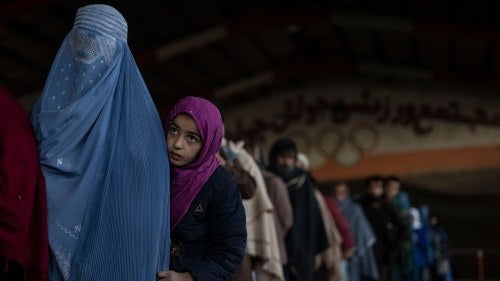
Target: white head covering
(305, 161)
(416, 221)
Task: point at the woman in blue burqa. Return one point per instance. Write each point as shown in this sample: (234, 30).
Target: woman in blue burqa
(103, 154)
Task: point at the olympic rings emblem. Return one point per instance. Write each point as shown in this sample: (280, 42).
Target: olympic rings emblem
(346, 149)
(302, 139)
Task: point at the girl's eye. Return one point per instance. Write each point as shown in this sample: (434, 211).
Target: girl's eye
(172, 130)
(192, 138)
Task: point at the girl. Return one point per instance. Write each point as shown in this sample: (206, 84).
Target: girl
(208, 234)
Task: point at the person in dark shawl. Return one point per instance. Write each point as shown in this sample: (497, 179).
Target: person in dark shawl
(307, 236)
(401, 266)
(385, 222)
(208, 232)
(362, 265)
(104, 157)
(24, 253)
(440, 266)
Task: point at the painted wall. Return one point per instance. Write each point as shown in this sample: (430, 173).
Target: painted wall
(353, 130)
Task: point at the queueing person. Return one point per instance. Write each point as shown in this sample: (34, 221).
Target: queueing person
(24, 250)
(401, 265)
(362, 265)
(262, 236)
(340, 238)
(307, 237)
(441, 269)
(385, 222)
(229, 159)
(263, 250)
(282, 208)
(104, 157)
(208, 233)
(420, 247)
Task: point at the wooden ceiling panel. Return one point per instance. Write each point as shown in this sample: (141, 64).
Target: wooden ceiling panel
(472, 54)
(434, 51)
(398, 47)
(202, 13)
(362, 42)
(186, 45)
(328, 41)
(246, 52)
(221, 66)
(278, 44)
(185, 75)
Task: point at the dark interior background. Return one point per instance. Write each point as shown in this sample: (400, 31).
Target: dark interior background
(239, 50)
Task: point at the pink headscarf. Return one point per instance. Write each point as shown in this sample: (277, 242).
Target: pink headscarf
(188, 180)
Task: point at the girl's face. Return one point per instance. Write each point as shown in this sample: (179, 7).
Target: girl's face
(183, 140)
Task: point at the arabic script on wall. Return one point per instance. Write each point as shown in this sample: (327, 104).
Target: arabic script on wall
(415, 115)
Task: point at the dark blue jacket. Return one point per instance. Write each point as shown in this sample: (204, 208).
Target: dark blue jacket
(210, 240)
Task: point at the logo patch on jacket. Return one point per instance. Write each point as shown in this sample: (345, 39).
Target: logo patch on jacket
(199, 210)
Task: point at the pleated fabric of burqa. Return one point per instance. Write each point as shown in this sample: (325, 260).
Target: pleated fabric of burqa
(104, 157)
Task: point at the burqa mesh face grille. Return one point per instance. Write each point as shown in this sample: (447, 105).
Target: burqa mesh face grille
(89, 46)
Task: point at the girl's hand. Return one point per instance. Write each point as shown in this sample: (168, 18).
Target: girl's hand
(173, 276)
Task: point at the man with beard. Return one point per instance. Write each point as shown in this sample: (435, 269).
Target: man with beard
(307, 236)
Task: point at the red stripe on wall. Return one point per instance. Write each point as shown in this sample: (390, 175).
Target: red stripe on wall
(412, 162)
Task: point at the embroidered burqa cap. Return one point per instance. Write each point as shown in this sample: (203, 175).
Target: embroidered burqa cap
(104, 157)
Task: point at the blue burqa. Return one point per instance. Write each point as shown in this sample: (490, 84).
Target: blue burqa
(104, 157)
